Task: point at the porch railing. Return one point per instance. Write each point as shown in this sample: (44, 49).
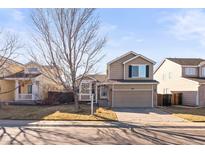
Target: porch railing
(25, 97)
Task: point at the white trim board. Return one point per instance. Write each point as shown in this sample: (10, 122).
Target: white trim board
(153, 62)
(130, 52)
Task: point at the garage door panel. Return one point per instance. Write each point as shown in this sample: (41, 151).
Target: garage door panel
(132, 99)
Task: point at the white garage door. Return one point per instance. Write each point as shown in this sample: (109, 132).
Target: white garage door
(132, 98)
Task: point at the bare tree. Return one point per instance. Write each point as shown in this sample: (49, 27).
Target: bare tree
(68, 41)
(10, 43)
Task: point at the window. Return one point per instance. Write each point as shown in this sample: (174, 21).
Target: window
(29, 89)
(190, 71)
(203, 71)
(32, 70)
(138, 71)
(103, 92)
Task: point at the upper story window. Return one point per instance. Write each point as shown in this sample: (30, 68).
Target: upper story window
(32, 70)
(203, 71)
(138, 71)
(190, 71)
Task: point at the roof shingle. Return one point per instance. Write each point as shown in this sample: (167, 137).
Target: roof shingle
(187, 61)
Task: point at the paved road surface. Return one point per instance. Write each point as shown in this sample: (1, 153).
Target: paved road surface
(148, 126)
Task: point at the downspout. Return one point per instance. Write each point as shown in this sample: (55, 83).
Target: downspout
(152, 96)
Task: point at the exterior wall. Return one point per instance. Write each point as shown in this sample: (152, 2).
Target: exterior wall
(30, 65)
(196, 75)
(202, 95)
(189, 98)
(139, 60)
(4, 87)
(46, 85)
(134, 95)
(116, 69)
(170, 77)
(200, 71)
(24, 86)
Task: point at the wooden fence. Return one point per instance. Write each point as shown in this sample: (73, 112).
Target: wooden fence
(169, 99)
(59, 97)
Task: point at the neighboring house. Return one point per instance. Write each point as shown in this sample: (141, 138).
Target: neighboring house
(184, 75)
(128, 83)
(25, 83)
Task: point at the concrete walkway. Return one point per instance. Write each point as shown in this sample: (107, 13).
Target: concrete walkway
(147, 116)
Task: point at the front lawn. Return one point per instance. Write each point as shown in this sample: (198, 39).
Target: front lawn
(60, 112)
(191, 114)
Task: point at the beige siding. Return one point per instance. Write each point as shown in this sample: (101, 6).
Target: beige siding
(6, 86)
(116, 69)
(24, 86)
(134, 96)
(202, 96)
(138, 60)
(46, 85)
(184, 74)
(189, 98)
(200, 71)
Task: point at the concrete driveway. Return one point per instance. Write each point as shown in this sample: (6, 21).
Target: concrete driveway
(146, 116)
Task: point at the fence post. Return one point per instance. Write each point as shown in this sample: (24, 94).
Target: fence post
(91, 104)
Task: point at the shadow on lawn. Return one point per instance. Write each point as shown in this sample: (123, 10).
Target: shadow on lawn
(23, 112)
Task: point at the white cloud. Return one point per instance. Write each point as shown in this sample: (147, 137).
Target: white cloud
(188, 24)
(17, 15)
(107, 28)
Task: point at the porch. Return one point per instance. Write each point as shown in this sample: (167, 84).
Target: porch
(26, 90)
(101, 92)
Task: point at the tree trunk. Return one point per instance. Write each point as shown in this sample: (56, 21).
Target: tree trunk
(76, 102)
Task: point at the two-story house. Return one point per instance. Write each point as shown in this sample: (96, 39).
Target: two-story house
(128, 83)
(184, 75)
(25, 84)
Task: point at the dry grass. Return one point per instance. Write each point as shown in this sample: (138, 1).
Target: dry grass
(191, 114)
(60, 112)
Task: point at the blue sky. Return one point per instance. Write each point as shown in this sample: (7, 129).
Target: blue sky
(155, 33)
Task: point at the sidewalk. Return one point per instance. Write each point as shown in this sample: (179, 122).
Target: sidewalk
(100, 124)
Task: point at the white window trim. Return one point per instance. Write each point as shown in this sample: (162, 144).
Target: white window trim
(104, 97)
(134, 77)
(190, 71)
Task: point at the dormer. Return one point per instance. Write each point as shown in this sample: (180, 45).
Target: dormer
(31, 68)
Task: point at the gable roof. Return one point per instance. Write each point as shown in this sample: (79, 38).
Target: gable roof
(99, 77)
(21, 74)
(153, 62)
(96, 77)
(130, 52)
(187, 61)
